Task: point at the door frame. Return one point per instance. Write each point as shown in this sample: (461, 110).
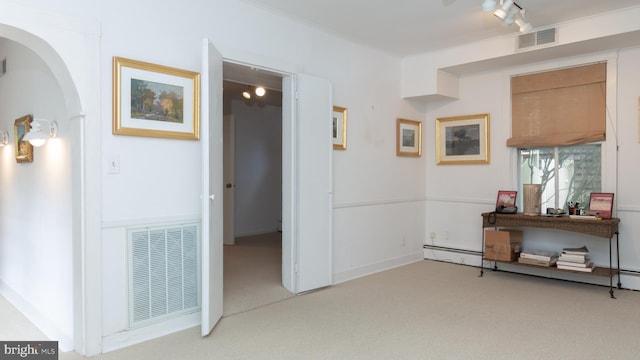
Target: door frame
(288, 171)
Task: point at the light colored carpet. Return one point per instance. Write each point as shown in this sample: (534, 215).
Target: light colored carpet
(426, 310)
(14, 326)
(253, 273)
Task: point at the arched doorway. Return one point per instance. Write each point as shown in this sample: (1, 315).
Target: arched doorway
(70, 49)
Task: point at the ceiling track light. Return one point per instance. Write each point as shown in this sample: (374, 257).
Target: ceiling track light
(523, 24)
(507, 12)
(259, 91)
(489, 5)
(247, 93)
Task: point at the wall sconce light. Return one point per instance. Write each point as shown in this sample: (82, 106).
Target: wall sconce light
(37, 136)
(4, 138)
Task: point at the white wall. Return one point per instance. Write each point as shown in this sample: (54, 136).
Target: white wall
(159, 178)
(458, 194)
(35, 211)
(258, 169)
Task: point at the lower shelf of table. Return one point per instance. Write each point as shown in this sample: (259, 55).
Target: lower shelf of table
(598, 271)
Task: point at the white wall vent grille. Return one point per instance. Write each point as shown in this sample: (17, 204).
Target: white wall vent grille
(163, 272)
(537, 38)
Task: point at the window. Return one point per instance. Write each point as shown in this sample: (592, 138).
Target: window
(567, 173)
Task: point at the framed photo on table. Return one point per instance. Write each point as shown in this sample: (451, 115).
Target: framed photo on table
(601, 205)
(155, 101)
(506, 198)
(462, 140)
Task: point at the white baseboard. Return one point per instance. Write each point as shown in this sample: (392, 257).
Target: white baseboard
(44, 324)
(377, 267)
(135, 336)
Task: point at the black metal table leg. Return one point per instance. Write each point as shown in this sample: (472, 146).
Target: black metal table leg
(482, 255)
(618, 259)
(610, 270)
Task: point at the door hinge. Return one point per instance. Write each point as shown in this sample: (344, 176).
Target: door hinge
(295, 268)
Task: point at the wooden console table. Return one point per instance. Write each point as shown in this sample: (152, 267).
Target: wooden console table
(599, 228)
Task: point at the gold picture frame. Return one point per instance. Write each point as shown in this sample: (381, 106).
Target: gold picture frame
(339, 128)
(408, 137)
(24, 149)
(462, 140)
(155, 100)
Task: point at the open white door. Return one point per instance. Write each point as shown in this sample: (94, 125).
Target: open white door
(229, 176)
(212, 196)
(314, 194)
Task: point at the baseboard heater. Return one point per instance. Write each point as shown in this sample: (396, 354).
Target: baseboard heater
(634, 273)
(164, 272)
(453, 250)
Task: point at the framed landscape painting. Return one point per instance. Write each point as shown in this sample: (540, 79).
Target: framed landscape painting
(462, 140)
(24, 149)
(408, 137)
(155, 101)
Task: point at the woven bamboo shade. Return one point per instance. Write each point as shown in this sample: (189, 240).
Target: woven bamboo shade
(559, 108)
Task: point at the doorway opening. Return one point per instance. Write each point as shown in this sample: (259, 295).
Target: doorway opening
(252, 146)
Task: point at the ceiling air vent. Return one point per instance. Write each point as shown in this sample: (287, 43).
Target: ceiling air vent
(537, 38)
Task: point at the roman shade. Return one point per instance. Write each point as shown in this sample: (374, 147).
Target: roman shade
(559, 108)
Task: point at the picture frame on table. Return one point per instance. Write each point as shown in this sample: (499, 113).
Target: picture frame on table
(339, 128)
(601, 205)
(506, 198)
(153, 100)
(24, 149)
(462, 140)
(408, 137)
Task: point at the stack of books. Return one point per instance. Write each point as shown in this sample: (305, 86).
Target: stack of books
(538, 257)
(575, 259)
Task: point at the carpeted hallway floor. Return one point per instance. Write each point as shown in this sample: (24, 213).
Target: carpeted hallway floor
(253, 273)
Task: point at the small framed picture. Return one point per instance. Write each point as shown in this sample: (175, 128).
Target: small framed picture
(24, 149)
(339, 128)
(462, 140)
(601, 205)
(409, 137)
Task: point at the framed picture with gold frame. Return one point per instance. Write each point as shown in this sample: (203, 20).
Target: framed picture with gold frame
(155, 100)
(339, 128)
(408, 137)
(24, 149)
(462, 139)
